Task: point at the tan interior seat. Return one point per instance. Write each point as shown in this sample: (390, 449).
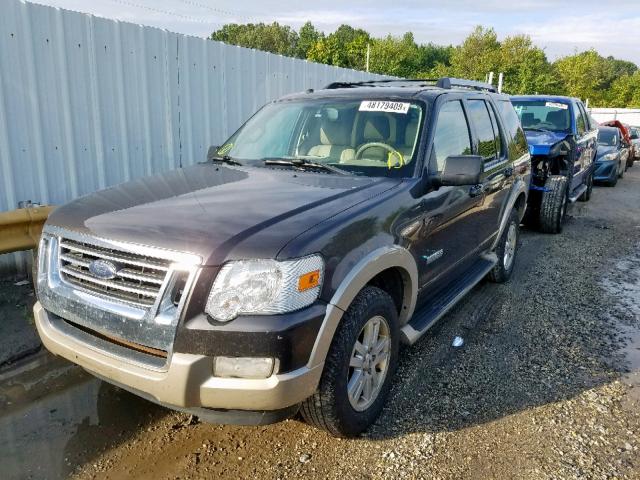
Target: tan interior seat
(376, 129)
(334, 142)
(410, 132)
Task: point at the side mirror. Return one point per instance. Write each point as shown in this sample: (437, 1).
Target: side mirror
(460, 170)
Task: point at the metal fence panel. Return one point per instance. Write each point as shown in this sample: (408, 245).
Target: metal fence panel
(88, 102)
(629, 116)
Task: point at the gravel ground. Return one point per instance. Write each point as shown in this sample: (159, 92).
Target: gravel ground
(546, 385)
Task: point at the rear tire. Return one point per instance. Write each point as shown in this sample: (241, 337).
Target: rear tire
(331, 407)
(506, 250)
(553, 207)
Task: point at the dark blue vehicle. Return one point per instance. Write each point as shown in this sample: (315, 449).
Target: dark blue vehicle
(562, 142)
(612, 156)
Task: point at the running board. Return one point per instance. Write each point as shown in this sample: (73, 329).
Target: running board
(581, 189)
(428, 315)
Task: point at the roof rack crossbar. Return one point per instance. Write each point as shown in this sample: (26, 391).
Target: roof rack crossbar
(444, 82)
(386, 81)
(449, 82)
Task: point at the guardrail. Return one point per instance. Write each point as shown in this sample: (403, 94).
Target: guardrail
(20, 229)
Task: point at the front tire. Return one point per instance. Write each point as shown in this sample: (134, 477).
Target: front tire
(506, 250)
(586, 196)
(553, 207)
(360, 365)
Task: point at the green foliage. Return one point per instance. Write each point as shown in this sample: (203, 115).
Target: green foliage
(308, 36)
(346, 47)
(274, 38)
(525, 67)
(604, 81)
(395, 56)
(478, 55)
(625, 90)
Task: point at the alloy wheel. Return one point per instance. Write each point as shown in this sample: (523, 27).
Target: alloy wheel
(369, 363)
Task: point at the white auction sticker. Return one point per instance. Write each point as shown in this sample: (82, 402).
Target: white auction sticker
(563, 106)
(384, 106)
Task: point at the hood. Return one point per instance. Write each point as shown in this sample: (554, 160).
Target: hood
(541, 142)
(604, 150)
(215, 211)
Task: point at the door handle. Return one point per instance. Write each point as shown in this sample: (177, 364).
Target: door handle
(476, 190)
(508, 171)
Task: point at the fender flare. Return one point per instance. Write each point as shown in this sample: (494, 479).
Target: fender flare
(519, 187)
(367, 268)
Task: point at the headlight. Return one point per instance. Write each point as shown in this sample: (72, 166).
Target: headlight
(610, 156)
(263, 287)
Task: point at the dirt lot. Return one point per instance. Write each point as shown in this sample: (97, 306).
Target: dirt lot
(546, 386)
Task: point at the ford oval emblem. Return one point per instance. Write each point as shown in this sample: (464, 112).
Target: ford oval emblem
(103, 269)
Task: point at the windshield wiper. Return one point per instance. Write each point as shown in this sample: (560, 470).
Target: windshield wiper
(305, 164)
(224, 159)
(537, 129)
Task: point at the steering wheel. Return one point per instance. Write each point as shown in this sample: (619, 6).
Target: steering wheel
(384, 146)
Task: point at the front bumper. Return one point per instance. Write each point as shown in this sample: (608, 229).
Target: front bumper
(605, 171)
(187, 382)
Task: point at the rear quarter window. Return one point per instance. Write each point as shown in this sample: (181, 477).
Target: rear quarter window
(516, 139)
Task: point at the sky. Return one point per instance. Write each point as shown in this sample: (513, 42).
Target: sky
(559, 26)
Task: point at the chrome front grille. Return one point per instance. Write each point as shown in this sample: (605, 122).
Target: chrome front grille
(138, 278)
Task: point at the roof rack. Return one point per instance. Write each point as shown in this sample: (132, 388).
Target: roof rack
(444, 82)
(449, 82)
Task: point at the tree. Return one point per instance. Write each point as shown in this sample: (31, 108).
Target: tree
(308, 36)
(395, 56)
(625, 91)
(585, 75)
(478, 55)
(604, 81)
(346, 47)
(431, 55)
(525, 66)
(274, 38)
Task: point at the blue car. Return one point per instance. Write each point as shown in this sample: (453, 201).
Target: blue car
(612, 156)
(562, 142)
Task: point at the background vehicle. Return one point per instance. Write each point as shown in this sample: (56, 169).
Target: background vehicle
(562, 142)
(285, 271)
(612, 156)
(634, 135)
(625, 140)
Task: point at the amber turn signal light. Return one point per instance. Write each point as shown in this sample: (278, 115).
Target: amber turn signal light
(309, 280)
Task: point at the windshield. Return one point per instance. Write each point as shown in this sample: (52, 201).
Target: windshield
(607, 138)
(543, 115)
(364, 137)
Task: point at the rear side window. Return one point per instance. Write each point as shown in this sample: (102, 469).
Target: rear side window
(580, 123)
(451, 136)
(585, 115)
(496, 129)
(517, 141)
(487, 140)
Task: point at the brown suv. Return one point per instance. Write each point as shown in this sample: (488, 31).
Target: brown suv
(283, 273)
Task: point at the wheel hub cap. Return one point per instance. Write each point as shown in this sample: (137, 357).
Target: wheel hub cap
(369, 363)
(510, 246)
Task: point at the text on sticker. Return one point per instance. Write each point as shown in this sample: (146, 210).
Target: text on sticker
(384, 106)
(563, 106)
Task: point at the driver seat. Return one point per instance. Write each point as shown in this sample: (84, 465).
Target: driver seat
(377, 128)
(334, 142)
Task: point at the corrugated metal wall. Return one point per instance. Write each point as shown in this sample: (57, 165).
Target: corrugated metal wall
(630, 116)
(87, 102)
